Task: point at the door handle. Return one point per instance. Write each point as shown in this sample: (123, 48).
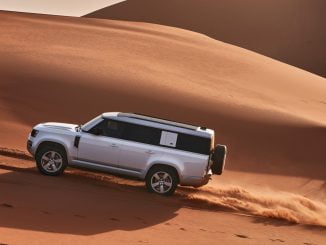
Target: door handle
(114, 145)
(150, 152)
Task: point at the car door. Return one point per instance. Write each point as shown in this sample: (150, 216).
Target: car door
(139, 145)
(100, 145)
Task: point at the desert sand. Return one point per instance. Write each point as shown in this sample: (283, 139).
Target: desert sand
(269, 114)
(291, 31)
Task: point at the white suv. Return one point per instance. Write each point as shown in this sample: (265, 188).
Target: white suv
(162, 152)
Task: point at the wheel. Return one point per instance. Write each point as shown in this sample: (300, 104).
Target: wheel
(218, 159)
(51, 160)
(161, 180)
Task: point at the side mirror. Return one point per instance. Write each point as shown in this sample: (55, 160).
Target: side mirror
(98, 131)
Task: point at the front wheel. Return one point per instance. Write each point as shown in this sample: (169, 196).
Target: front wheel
(51, 160)
(161, 180)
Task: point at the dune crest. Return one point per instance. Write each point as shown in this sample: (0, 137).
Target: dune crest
(291, 31)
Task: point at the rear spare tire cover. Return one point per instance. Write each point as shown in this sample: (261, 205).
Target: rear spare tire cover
(218, 159)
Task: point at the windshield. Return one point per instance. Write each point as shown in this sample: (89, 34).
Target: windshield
(90, 123)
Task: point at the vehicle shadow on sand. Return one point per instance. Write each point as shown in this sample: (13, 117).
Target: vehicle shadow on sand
(77, 203)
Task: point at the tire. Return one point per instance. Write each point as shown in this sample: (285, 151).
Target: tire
(218, 159)
(51, 160)
(162, 180)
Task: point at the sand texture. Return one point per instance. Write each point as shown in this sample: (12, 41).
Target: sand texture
(270, 115)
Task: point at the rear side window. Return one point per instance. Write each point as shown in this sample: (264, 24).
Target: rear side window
(193, 143)
(141, 134)
(154, 136)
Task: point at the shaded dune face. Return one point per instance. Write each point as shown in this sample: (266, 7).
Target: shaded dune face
(270, 115)
(291, 31)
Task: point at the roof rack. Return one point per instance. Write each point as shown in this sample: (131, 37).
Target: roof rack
(157, 120)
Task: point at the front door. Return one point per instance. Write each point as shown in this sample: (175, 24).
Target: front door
(101, 144)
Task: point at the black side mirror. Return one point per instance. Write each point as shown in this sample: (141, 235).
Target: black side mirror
(98, 131)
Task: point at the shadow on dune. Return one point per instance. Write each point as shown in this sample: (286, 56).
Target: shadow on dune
(76, 205)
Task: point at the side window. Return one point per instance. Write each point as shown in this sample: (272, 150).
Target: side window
(108, 128)
(141, 134)
(194, 144)
(97, 129)
(113, 129)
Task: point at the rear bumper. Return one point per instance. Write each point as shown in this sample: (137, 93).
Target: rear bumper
(196, 181)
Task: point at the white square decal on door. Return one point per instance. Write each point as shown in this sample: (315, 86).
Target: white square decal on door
(168, 139)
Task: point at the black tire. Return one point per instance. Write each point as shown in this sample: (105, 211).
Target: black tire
(172, 178)
(57, 168)
(218, 159)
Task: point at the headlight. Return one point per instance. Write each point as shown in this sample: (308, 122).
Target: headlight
(34, 132)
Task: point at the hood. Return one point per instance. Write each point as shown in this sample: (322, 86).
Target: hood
(55, 125)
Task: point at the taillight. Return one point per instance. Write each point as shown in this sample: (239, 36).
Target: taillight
(34, 133)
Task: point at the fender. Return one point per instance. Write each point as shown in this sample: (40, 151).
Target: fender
(168, 161)
(71, 153)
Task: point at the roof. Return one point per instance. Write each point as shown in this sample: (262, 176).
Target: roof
(159, 122)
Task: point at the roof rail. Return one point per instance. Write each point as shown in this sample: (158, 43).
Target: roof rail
(157, 120)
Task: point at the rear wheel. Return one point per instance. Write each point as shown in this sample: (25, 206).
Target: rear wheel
(161, 180)
(51, 160)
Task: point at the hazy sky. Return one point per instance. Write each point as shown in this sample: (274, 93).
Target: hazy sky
(56, 7)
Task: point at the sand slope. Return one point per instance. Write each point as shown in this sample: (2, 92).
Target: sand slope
(290, 30)
(271, 116)
(49, 210)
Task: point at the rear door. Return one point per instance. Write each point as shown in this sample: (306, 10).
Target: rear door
(140, 143)
(100, 145)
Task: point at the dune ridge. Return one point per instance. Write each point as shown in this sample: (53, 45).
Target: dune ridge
(289, 30)
(15, 153)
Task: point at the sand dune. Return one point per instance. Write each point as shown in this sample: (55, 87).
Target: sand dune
(259, 201)
(191, 216)
(271, 116)
(291, 31)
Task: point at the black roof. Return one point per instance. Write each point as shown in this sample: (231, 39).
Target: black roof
(157, 120)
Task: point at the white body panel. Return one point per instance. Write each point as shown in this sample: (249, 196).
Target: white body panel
(98, 149)
(138, 156)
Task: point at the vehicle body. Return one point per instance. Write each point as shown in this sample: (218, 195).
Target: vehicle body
(162, 152)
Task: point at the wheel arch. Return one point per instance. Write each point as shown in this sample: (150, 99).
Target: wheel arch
(159, 164)
(51, 143)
